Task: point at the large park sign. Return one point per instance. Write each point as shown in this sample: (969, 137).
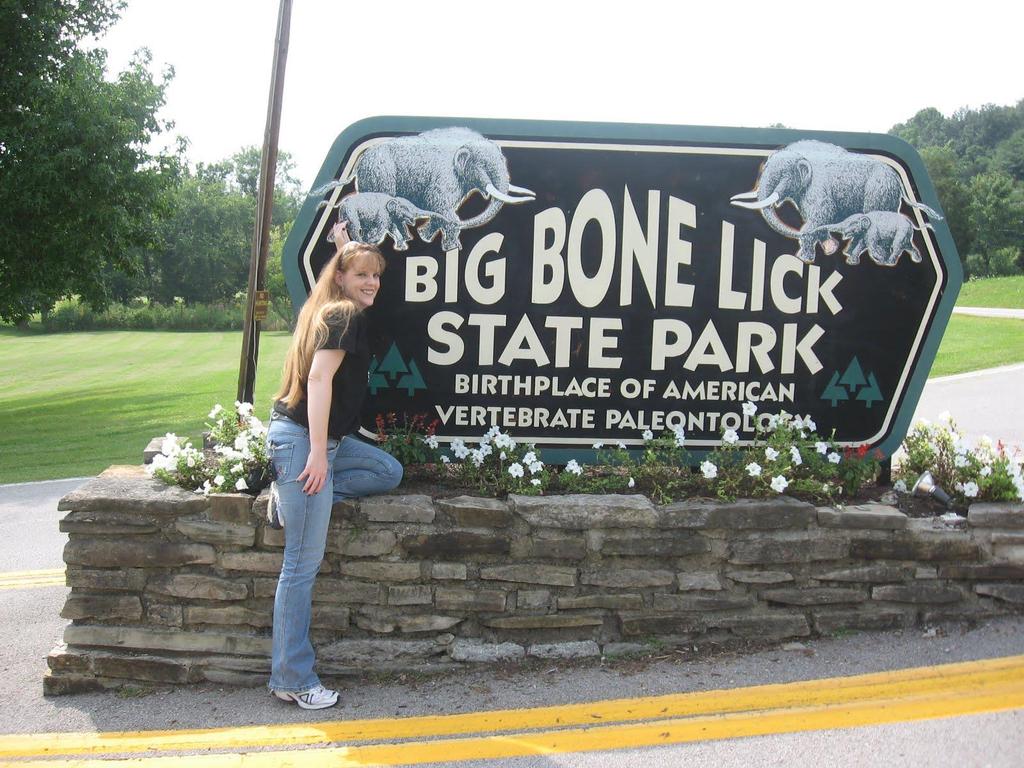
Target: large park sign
(578, 283)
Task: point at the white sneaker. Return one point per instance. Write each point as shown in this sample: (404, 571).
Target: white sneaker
(317, 697)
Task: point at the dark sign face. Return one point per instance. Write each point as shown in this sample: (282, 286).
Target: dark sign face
(583, 283)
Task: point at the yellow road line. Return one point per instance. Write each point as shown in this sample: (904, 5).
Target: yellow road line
(40, 572)
(994, 698)
(34, 584)
(47, 577)
(923, 682)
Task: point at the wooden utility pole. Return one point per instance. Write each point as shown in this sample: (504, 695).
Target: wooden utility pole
(257, 298)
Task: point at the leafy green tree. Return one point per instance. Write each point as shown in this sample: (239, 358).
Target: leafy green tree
(1009, 156)
(79, 190)
(954, 195)
(997, 211)
(928, 128)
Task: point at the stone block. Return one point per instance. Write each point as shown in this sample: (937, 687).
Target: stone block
(581, 511)
(341, 591)
(641, 624)
(759, 577)
(479, 652)
(164, 614)
(981, 572)
(413, 508)
(581, 649)
(555, 575)
(106, 524)
(166, 640)
(375, 651)
(763, 626)
(456, 544)
(530, 548)
(230, 614)
(355, 542)
(871, 516)
(375, 571)
(220, 533)
(690, 581)
(759, 514)
(919, 545)
(533, 600)
(448, 571)
(656, 544)
(232, 508)
(696, 603)
(474, 512)
(152, 450)
(784, 548)
(872, 574)
(1002, 514)
(413, 594)
(458, 599)
(427, 623)
(62, 684)
(195, 586)
(127, 607)
(327, 616)
(814, 596)
(548, 621)
(917, 593)
(130, 553)
(614, 650)
(1009, 553)
(273, 537)
(257, 562)
(1008, 593)
(608, 602)
(926, 572)
(621, 578)
(145, 668)
(828, 621)
(127, 580)
(132, 491)
(60, 659)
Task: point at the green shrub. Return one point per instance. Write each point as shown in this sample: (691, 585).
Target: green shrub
(1002, 262)
(71, 315)
(976, 265)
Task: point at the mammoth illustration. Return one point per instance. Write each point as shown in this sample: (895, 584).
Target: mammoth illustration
(883, 234)
(371, 216)
(436, 171)
(827, 184)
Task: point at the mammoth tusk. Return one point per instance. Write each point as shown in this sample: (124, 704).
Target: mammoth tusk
(521, 190)
(768, 201)
(493, 191)
(751, 195)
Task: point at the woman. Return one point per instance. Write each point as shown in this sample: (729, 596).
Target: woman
(317, 459)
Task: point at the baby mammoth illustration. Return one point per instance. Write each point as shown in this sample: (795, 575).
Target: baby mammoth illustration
(372, 216)
(883, 234)
(437, 171)
(827, 184)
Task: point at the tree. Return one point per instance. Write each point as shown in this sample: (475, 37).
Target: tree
(997, 212)
(79, 190)
(954, 196)
(928, 128)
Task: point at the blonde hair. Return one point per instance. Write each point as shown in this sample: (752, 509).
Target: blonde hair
(326, 302)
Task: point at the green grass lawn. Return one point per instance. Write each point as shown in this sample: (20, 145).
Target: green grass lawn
(72, 404)
(1006, 292)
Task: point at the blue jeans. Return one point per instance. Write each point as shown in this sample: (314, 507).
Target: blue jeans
(354, 469)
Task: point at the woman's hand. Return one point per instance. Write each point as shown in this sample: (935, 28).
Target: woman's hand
(315, 472)
(339, 234)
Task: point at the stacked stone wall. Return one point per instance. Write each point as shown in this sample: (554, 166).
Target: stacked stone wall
(171, 587)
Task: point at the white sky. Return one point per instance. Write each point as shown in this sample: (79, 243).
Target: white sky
(851, 66)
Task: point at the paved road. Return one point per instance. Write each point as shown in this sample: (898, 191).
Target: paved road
(30, 627)
(989, 312)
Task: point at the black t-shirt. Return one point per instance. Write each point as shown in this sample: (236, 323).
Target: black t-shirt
(348, 388)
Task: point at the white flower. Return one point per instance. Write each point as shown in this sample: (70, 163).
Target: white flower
(809, 423)
(648, 435)
(241, 485)
(218, 480)
(536, 466)
(529, 458)
(833, 458)
(622, 446)
(240, 442)
(900, 486)
(598, 446)
(794, 455)
(459, 449)
(485, 450)
(631, 482)
(770, 453)
(779, 483)
(492, 433)
(709, 470)
(504, 441)
(516, 470)
(256, 426)
(749, 409)
(821, 447)
(207, 487)
(169, 446)
(773, 422)
(217, 410)
(960, 460)
(477, 456)
(945, 417)
(986, 471)
(237, 469)
(445, 460)
(753, 469)
(970, 489)
(431, 442)
(244, 409)
(730, 437)
(190, 461)
(535, 481)
(502, 456)
(680, 436)
(985, 441)
(573, 467)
